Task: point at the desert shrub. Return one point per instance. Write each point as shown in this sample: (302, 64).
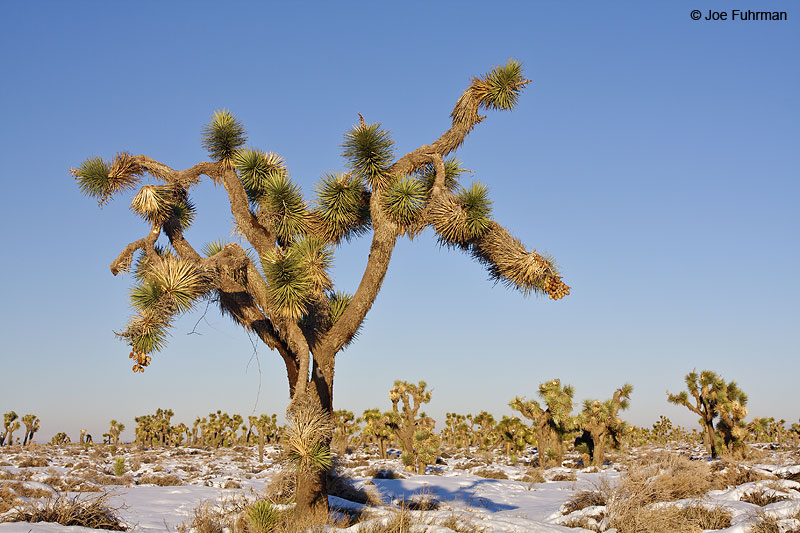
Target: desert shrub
(583, 522)
(24, 491)
(209, 517)
(490, 474)
(95, 513)
(762, 497)
(564, 476)
(534, 475)
(582, 500)
(384, 473)
(231, 484)
(668, 519)
(280, 488)
(119, 466)
(461, 524)
(262, 517)
(166, 480)
(8, 498)
(33, 462)
(764, 523)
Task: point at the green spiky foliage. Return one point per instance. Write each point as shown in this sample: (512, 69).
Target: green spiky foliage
(500, 88)
(404, 200)
(31, 426)
(452, 172)
(662, 429)
(710, 397)
(114, 431)
(551, 421)
(60, 439)
(101, 179)
(281, 207)
(259, 172)
(341, 207)
(427, 445)
(262, 517)
(602, 421)
(369, 151)
(9, 421)
(223, 137)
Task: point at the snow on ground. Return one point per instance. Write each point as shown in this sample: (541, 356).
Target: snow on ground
(479, 487)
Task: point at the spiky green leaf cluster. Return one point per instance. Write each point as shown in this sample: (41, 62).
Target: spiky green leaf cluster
(288, 281)
(255, 169)
(317, 258)
(281, 207)
(452, 172)
(214, 247)
(262, 517)
(178, 280)
(223, 136)
(338, 303)
(341, 207)
(368, 150)
(403, 200)
(462, 218)
(500, 88)
(100, 179)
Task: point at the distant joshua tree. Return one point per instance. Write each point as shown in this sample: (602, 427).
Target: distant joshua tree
(10, 425)
(709, 396)
(265, 427)
(278, 285)
(552, 421)
(600, 420)
(31, 426)
(114, 430)
(379, 428)
(412, 397)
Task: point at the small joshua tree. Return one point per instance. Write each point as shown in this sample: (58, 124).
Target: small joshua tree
(114, 430)
(31, 426)
(426, 445)
(662, 429)
(795, 433)
(731, 426)
(456, 431)
(709, 396)
(412, 397)
(514, 435)
(552, 422)
(482, 427)
(60, 439)
(346, 425)
(278, 284)
(601, 421)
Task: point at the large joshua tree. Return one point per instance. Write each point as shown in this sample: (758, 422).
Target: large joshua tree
(277, 284)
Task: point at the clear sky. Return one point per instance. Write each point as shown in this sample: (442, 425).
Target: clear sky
(654, 156)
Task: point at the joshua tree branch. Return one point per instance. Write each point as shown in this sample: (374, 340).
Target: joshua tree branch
(257, 235)
(125, 257)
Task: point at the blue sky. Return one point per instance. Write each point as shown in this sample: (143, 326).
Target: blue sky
(655, 157)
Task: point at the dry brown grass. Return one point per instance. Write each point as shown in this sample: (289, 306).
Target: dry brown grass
(490, 474)
(534, 475)
(31, 461)
(94, 513)
(762, 496)
(584, 499)
(669, 519)
(564, 476)
(166, 480)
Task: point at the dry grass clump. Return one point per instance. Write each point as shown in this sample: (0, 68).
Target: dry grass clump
(725, 474)
(669, 519)
(384, 473)
(209, 517)
(534, 475)
(280, 488)
(762, 497)
(8, 499)
(24, 491)
(166, 480)
(584, 499)
(667, 478)
(582, 522)
(71, 511)
(33, 462)
(490, 474)
(564, 476)
(345, 488)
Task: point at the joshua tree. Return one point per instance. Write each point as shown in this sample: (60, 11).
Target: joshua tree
(114, 431)
(265, 426)
(456, 431)
(380, 427)
(795, 433)
(60, 439)
(278, 285)
(551, 422)
(711, 397)
(482, 426)
(346, 425)
(10, 425)
(31, 426)
(412, 397)
(514, 435)
(602, 422)
(426, 444)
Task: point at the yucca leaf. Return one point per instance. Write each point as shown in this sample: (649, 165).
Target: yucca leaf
(92, 177)
(254, 167)
(500, 88)
(151, 202)
(213, 248)
(283, 207)
(340, 207)
(179, 280)
(338, 303)
(181, 215)
(403, 200)
(146, 295)
(289, 283)
(223, 136)
(146, 334)
(317, 258)
(368, 150)
(478, 209)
